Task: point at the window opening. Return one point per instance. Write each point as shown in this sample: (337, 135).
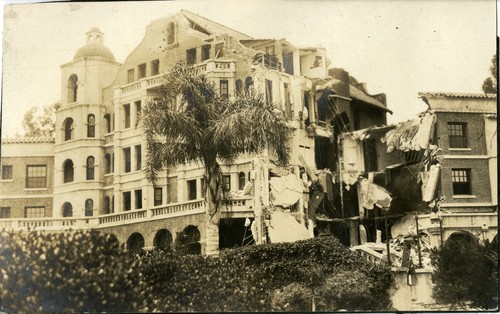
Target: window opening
(34, 212)
(6, 172)
(141, 69)
(205, 52)
(126, 159)
(130, 76)
(4, 212)
(224, 88)
(457, 132)
(68, 129)
(68, 171)
(89, 207)
(461, 181)
(138, 199)
(170, 33)
(138, 157)
(191, 56)
(155, 67)
(241, 181)
(126, 200)
(126, 113)
(36, 176)
(192, 193)
(72, 88)
(90, 168)
(158, 196)
(90, 125)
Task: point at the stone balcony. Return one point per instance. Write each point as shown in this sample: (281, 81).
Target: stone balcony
(240, 207)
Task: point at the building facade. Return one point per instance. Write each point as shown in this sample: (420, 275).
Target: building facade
(94, 166)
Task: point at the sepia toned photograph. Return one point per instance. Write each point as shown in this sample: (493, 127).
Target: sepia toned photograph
(249, 156)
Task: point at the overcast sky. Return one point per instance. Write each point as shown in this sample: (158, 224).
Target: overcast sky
(396, 47)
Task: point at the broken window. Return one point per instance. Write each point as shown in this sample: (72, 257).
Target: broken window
(130, 76)
(224, 88)
(219, 53)
(155, 67)
(461, 181)
(192, 193)
(127, 198)
(318, 61)
(141, 69)
(269, 50)
(457, 132)
(191, 56)
(205, 52)
(269, 92)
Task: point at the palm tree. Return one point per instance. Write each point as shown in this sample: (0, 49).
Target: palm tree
(191, 122)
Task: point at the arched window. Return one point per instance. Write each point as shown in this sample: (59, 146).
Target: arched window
(163, 239)
(90, 168)
(68, 171)
(72, 88)
(189, 240)
(248, 86)
(89, 207)
(107, 205)
(107, 118)
(241, 180)
(67, 210)
(107, 160)
(239, 87)
(135, 241)
(90, 125)
(68, 129)
(170, 33)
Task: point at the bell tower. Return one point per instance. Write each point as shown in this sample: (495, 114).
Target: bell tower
(80, 128)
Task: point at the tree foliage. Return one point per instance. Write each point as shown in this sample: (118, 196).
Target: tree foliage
(466, 273)
(40, 122)
(68, 272)
(490, 83)
(191, 122)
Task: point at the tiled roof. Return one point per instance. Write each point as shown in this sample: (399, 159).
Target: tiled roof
(28, 140)
(359, 95)
(212, 26)
(457, 95)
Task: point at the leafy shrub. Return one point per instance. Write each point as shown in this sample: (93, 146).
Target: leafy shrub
(466, 272)
(292, 298)
(68, 272)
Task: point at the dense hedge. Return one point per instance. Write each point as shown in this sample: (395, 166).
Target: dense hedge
(87, 271)
(68, 272)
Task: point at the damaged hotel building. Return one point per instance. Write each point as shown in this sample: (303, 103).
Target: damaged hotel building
(350, 174)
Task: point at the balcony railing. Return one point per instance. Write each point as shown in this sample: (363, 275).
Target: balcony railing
(216, 66)
(132, 216)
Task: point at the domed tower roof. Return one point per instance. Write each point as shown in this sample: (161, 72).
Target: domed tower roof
(94, 46)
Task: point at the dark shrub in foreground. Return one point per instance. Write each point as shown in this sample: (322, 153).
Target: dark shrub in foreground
(67, 272)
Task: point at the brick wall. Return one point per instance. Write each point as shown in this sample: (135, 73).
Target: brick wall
(14, 194)
(480, 180)
(475, 132)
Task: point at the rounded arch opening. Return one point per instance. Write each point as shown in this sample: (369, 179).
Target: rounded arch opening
(90, 168)
(163, 239)
(68, 129)
(188, 241)
(91, 125)
(135, 241)
(68, 169)
(462, 236)
(72, 88)
(67, 210)
(89, 207)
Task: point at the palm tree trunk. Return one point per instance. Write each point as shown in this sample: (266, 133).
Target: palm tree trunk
(212, 210)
